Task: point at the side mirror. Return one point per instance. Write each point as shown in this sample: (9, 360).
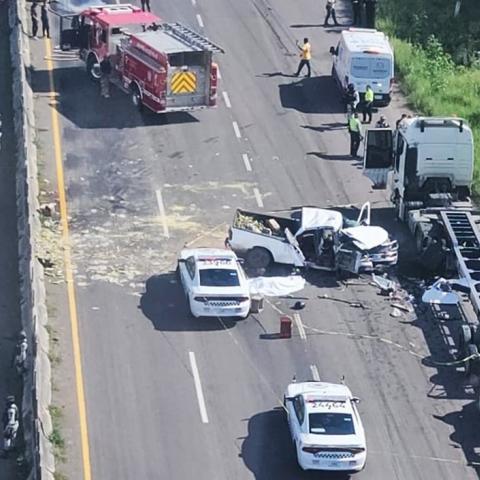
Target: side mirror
(181, 260)
(332, 50)
(241, 261)
(288, 399)
(355, 400)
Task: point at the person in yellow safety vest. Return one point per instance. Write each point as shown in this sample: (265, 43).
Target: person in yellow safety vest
(355, 129)
(368, 104)
(305, 56)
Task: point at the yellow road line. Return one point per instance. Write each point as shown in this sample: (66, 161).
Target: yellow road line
(77, 358)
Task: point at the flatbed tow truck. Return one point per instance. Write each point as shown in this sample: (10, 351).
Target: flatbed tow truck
(427, 163)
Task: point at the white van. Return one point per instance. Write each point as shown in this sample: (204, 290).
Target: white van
(364, 57)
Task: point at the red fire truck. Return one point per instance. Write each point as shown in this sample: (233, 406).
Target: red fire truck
(165, 67)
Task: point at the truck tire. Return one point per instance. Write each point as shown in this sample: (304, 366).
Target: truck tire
(136, 97)
(91, 70)
(258, 257)
(419, 240)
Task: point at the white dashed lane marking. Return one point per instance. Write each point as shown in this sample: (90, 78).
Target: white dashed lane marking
(258, 197)
(227, 100)
(199, 20)
(163, 216)
(198, 388)
(236, 129)
(315, 374)
(246, 161)
(301, 329)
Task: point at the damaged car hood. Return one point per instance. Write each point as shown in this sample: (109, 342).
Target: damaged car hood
(366, 237)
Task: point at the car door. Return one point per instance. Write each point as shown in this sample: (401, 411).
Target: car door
(378, 156)
(298, 258)
(296, 417)
(187, 274)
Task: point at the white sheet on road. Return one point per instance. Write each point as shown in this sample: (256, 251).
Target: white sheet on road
(276, 286)
(440, 293)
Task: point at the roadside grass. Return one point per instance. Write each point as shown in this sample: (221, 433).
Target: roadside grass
(56, 437)
(435, 86)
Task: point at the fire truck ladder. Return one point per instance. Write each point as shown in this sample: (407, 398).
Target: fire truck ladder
(465, 240)
(185, 34)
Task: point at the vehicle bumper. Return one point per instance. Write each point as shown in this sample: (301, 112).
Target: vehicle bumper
(200, 309)
(344, 465)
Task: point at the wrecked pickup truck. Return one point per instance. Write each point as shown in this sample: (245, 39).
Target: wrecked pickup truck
(312, 237)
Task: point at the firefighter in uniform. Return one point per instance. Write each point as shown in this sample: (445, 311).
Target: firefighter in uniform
(355, 130)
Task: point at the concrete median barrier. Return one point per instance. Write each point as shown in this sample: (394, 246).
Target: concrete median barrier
(36, 419)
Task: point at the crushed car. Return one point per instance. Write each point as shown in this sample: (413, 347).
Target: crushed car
(312, 237)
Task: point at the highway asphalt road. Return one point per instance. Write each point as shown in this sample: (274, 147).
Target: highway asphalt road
(143, 359)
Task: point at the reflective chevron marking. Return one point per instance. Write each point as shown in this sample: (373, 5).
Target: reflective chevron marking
(184, 82)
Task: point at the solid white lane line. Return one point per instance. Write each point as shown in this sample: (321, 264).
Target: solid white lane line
(315, 374)
(199, 20)
(227, 100)
(236, 128)
(198, 388)
(258, 197)
(163, 216)
(300, 327)
(246, 161)
(194, 2)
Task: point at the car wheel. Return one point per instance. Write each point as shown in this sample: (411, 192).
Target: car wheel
(258, 257)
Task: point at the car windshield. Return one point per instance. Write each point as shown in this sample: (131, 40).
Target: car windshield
(374, 67)
(331, 423)
(219, 277)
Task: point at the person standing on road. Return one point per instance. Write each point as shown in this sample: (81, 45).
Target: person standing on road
(382, 122)
(330, 7)
(370, 6)
(368, 105)
(34, 17)
(105, 70)
(355, 130)
(145, 5)
(356, 10)
(305, 57)
(45, 21)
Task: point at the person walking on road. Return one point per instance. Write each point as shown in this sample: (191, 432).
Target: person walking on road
(105, 70)
(355, 130)
(305, 57)
(330, 7)
(368, 105)
(45, 21)
(356, 10)
(34, 17)
(145, 5)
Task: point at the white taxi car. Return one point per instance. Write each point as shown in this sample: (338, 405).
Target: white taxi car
(214, 283)
(326, 427)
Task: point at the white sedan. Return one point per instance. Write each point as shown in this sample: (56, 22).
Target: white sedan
(214, 283)
(326, 428)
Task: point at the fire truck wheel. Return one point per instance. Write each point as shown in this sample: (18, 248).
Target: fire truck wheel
(93, 70)
(136, 97)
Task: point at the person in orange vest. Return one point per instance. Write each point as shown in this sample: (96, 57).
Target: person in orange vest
(305, 57)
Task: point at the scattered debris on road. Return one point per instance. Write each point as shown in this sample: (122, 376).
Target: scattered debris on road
(325, 296)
